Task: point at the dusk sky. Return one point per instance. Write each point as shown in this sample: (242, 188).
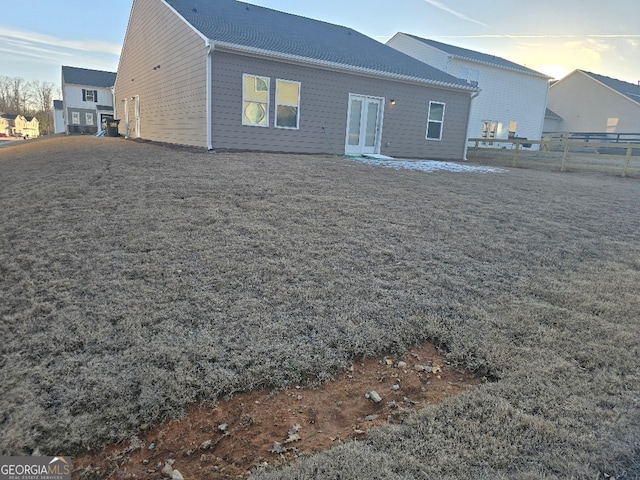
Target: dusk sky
(552, 37)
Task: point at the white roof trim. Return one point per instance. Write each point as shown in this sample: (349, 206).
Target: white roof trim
(586, 74)
(523, 70)
(533, 73)
(198, 32)
(339, 66)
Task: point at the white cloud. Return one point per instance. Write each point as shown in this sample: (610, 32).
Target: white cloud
(453, 12)
(8, 35)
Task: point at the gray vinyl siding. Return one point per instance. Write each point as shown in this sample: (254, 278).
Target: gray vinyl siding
(172, 97)
(324, 98)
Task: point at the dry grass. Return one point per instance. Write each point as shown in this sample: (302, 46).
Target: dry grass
(138, 279)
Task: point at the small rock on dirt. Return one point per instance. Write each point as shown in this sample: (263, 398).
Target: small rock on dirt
(177, 475)
(374, 396)
(402, 365)
(167, 471)
(206, 445)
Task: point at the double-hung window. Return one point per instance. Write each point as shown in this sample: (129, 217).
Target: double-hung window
(255, 100)
(89, 95)
(435, 121)
(287, 104)
(75, 118)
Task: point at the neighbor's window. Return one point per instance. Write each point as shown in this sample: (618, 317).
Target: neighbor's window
(255, 100)
(89, 118)
(89, 95)
(435, 121)
(287, 104)
(471, 75)
(75, 118)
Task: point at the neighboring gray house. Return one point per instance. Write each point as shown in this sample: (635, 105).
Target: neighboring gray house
(588, 102)
(230, 75)
(512, 99)
(58, 117)
(87, 98)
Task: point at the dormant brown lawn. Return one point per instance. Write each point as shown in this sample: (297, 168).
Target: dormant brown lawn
(138, 280)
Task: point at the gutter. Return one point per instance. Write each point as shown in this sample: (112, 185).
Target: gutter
(466, 138)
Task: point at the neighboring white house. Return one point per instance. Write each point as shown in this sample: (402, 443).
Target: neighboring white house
(588, 102)
(87, 98)
(512, 100)
(58, 117)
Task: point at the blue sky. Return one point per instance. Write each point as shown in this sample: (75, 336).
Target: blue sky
(551, 36)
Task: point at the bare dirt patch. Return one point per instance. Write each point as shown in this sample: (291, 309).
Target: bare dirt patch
(272, 428)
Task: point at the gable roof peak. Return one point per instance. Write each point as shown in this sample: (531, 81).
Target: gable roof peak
(629, 90)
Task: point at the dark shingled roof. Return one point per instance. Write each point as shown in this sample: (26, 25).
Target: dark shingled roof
(237, 24)
(478, 57)
(89, 78)
(629, 90)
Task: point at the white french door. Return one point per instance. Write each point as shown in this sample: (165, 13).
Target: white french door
(364, 125)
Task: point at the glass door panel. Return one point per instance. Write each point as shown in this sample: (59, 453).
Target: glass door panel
(354, 122)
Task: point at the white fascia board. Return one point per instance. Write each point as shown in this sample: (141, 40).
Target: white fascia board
(338, 66)
(608, 87)
(529, 72)
(198, 32)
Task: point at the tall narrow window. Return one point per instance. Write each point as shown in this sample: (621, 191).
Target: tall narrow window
(255, 100)
(435, 121)
(88, 118)
(287, 104)
(75, 118)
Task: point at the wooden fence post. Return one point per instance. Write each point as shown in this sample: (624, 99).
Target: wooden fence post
(475, 150)
(515, 156)
(564, 157)
(627, 160)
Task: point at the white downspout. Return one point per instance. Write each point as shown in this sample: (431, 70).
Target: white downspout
(466, 138)
(210, 47)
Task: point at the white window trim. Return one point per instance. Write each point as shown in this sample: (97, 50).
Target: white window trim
(275, 120)
(88, 118)
(267, 80)
(75, 118)
(441, 122)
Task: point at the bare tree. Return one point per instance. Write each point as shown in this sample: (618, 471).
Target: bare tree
(5, 94)
(43, 93)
